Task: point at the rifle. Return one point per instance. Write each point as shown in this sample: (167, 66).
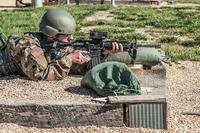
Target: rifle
(97, 44)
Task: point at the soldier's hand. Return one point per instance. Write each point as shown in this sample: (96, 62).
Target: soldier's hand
(116, 47)
(77, 56)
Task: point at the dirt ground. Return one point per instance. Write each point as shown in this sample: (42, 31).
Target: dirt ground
(183, 81)
(183, 96)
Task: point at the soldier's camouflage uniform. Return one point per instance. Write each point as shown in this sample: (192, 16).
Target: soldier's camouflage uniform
(38, 64)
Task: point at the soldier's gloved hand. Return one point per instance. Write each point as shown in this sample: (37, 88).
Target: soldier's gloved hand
(77, 56)
(116, 47)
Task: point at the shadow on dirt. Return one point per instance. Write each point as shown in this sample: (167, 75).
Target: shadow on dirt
(81, 91)
(11, 77)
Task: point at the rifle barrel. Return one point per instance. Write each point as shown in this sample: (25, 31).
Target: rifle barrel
(127, 45)
(105, 44)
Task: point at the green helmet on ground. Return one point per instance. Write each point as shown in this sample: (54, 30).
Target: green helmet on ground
(57, 21)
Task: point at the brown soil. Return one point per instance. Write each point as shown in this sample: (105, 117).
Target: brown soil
(153, 34)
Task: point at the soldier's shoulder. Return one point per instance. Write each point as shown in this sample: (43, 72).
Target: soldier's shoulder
(25, 39)
(39, 35)
(25, 36)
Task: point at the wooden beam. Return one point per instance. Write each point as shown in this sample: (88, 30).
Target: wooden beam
(136, 68)
(137, 99)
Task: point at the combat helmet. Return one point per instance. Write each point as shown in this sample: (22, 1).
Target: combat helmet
(57, 21)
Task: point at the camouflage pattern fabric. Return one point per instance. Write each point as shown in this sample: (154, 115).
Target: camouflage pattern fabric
(28, 55)
(80, 69)
(35, 63)
(7, 65)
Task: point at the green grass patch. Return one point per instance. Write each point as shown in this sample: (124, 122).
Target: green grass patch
(168, 39)
(177, 52)
(189, 43)
(181, 20)
(27, 19)
(125, 34)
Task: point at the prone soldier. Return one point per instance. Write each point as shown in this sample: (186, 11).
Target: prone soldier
(56, 63)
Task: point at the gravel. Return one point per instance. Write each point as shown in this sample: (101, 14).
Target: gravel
(183, 96)
(17, 87)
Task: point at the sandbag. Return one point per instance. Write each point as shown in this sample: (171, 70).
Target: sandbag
(145, 55)
(111, 78)
(149, 56)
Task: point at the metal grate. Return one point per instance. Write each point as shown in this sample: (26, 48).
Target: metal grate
(147, 115)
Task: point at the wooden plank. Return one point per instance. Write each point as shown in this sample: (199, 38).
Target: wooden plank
(137, 68)
(137, 99)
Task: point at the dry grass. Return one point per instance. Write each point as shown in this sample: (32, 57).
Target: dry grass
(100, 15)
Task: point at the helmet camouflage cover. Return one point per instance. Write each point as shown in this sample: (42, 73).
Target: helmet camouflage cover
(57, 21)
